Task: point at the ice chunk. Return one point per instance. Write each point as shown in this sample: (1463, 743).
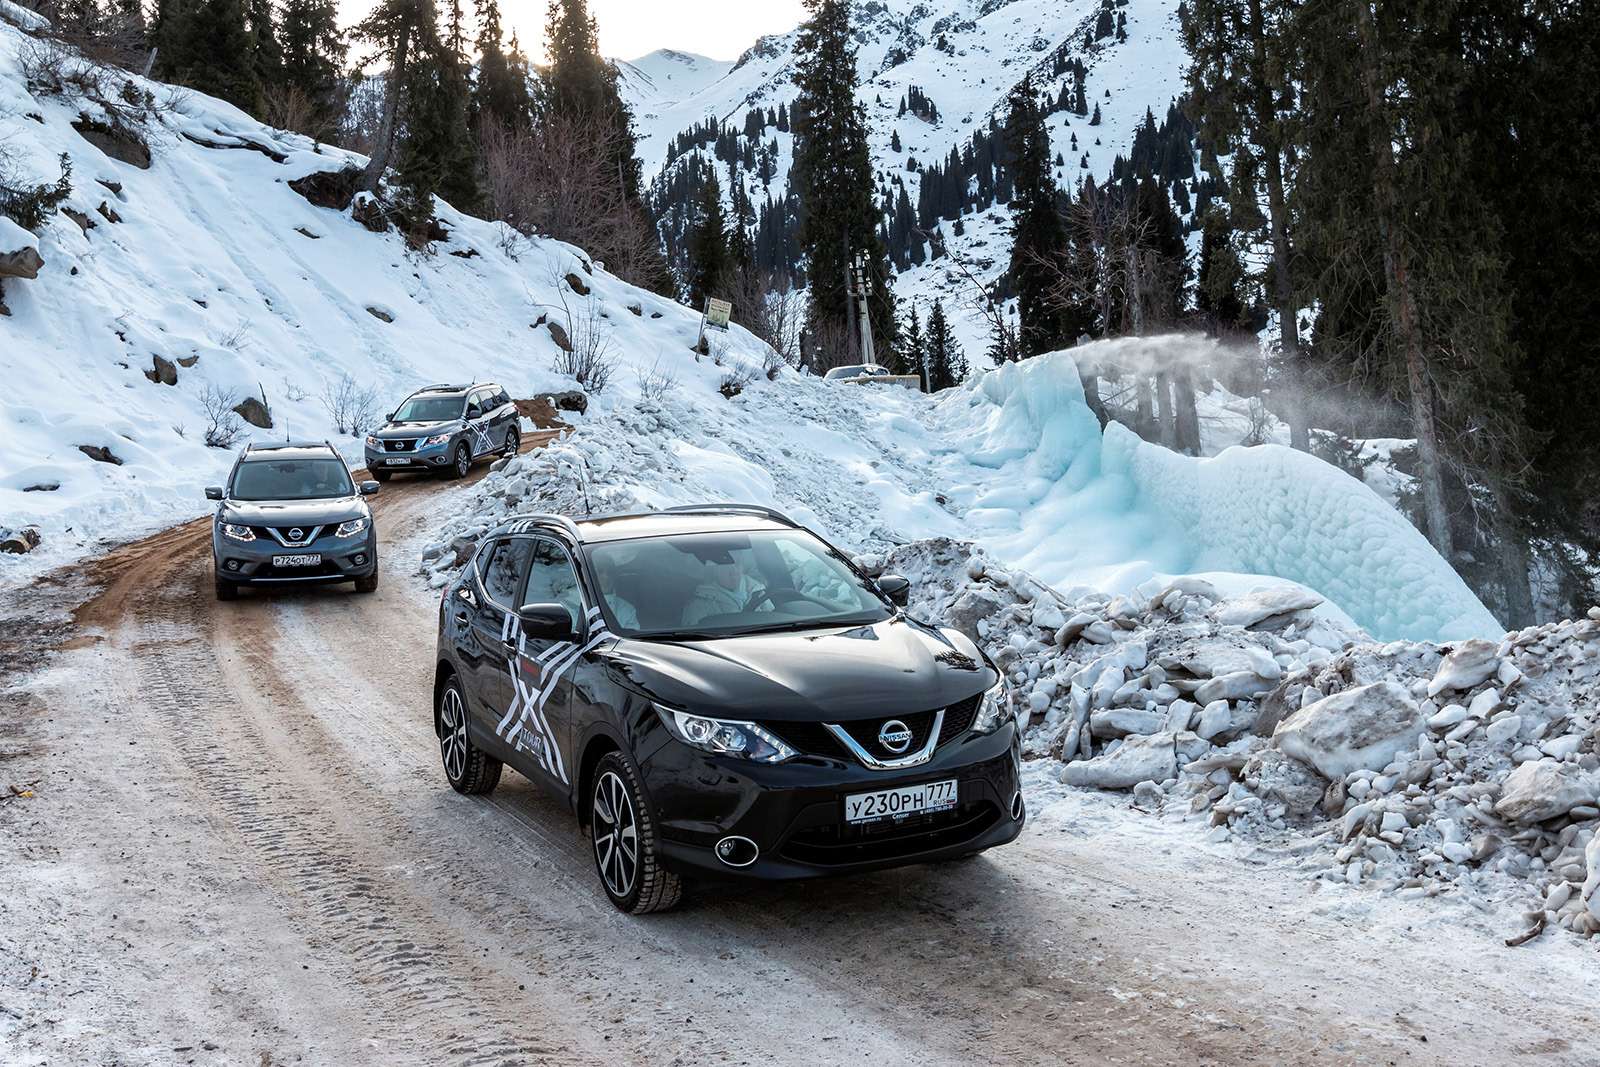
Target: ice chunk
(1363, 728)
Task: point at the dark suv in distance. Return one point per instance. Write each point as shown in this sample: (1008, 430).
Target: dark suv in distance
(290, 514)
(444, 428)
(716, 690)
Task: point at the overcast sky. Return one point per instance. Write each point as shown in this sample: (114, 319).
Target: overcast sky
(629, 29)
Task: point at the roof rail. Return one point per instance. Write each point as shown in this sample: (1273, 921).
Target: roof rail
(732, 509)
(566, 525)
(270, 446)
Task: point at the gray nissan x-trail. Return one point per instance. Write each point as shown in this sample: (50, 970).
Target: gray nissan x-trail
(291, 515)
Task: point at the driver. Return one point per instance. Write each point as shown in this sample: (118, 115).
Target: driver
(725, 590)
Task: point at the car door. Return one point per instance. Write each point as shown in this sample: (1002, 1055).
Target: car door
(478, 424)
(544, 729)
(488, 655)
(502, 415)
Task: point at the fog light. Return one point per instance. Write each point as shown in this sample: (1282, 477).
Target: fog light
(233, 564)
(737, 851)
(359, 558)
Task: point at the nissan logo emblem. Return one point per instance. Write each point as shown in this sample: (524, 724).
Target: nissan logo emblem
(296, 534)
(895, 736)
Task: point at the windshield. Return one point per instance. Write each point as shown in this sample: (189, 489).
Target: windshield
(430, 409)
(859, 370)
(721, 584)
(291, 479)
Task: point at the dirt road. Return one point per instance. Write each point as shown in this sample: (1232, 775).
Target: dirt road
(239, 849)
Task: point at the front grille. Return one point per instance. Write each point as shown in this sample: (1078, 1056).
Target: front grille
(958, 718)
(308, 534)
(400, 445)
(865, 731)
(809, 737)
(840, 844)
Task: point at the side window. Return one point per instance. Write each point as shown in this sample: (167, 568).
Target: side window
(474, 401)
(553, 581)
(501, 567)
(501, 398)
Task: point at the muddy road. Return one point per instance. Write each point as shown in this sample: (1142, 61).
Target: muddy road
(228, 841)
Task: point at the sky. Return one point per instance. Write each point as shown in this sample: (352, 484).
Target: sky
(721, 29)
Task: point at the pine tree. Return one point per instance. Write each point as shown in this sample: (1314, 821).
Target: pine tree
(913, 348)
(398, 31)
(501, 94)
(266, 53)
(215, 54)
(1038, 237)
(313, 61)
(1217, 299)
(709, 258)
(832, 174)
(946, 365)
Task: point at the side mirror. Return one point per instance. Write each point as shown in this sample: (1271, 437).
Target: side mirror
(547, 622)
(390, 417)
(896, 588)
(369, 488)
(474, 411)
(213, 492)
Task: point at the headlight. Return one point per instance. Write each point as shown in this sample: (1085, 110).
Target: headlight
(994, 709)
(373, 442)
(351, 528)
(436, 439)
(238, 533)
(725, 738)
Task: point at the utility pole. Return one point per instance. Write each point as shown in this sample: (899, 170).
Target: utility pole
(863, 289)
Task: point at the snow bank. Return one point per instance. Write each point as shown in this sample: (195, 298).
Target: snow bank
(1075, 506)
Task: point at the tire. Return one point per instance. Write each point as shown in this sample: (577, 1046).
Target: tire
(381, 475)
(369, 584)
(462, 463)
(618, 813)
(227, 590)
(513, 442)
(469, 769)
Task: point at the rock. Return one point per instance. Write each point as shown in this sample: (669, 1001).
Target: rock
(1502, 730)
(1072, 628)
(24, 262)
(1179, 714)
(974, 605)
(1447, 717)
(1138, 759)
(1484, 704)
(1119, 722)
(1148, 795)
(163, 371)
(577, 285)
(558, 333)
(1540, 790)
(1265, 605)
(108, 212)
(1098, 632)
(1214, 719)
(571, 400)
(100, 454)
(379, 313)
(1232, 687)
(255, 412)
(1359, 729)
(1470, 664)
(1591, 884)
(17, 542)
(329, 188)
(1262, 662)
(118, 142)
(1047, 614)
(85, 223)
(1282, 780)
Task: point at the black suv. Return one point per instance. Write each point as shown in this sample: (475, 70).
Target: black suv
(444, 428)
(291, 515)
(716, 690)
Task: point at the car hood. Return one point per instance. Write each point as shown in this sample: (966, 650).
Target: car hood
(293, 512)
(391, 430)
(896, 666)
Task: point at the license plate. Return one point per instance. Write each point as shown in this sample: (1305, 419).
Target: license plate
(897, 803)
(308, 560)
(401, 462)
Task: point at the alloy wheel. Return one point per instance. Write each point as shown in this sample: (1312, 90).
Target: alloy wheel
(513, 443)
(463, 461)
(453, 738)
(616, 834)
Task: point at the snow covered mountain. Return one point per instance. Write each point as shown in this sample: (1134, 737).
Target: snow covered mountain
(964, 56)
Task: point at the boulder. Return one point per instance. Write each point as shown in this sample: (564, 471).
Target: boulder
(162, 371)
(118, 142)
(329, 188)
(1470, 664)
(1539, 790)
(1119, 722)
(379, 313)
(974, 605)
(17, 542)
(22, 263)
(1281, 779)
(577, 285)
(1265, 605)
(571, 400)
(1138, 759)
(100, 454)
(1359, 729)
(558, 333)
(1215, 718)
(1235, 686)
(255, 412)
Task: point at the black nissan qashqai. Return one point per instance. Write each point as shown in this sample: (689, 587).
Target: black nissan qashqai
(716, 690)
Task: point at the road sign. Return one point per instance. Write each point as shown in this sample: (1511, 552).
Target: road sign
(718, 312)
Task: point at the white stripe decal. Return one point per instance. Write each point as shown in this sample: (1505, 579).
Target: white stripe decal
(526, 716)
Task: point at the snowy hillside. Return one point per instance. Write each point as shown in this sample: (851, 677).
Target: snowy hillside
(658, 83)
(965, 55)
(204, 271)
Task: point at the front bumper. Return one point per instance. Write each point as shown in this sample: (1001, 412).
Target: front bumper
(434, 457)
(794, 811)
(344, 559)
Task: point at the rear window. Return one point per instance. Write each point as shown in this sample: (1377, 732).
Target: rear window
(292, 479)
(430, 409)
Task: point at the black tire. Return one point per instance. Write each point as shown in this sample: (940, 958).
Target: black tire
(369, 584)
(461, 463)
(381, 475)
(513, 442)
(470, 770)
(618, 813)
(227, 590)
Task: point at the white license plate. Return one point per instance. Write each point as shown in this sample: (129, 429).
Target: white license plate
(310, 559)
(896, 803)
(401, 462)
